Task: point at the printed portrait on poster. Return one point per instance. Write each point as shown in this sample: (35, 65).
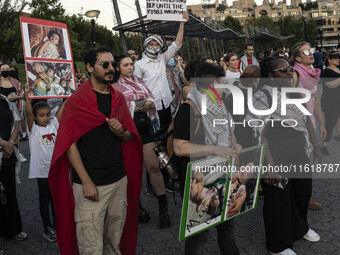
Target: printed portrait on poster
(244, 182)
(50, 79)
(46, 42)
(206, 191)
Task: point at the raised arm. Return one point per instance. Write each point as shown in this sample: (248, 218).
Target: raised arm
(29, 111)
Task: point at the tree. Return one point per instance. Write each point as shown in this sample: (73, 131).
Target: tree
(233, 23)
(290, 26)
(9, 24)
(47, 9)
(264, 22)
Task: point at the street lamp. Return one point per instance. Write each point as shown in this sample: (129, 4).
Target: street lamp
(93, 15)
(320, 32)
(305, 28)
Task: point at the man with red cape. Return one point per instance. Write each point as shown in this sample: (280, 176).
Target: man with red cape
(77, 149)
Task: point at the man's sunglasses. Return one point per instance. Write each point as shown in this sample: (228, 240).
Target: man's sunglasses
(106, 64)
(307, 52)
(285, 69)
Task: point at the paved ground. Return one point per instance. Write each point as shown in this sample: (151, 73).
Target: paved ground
(152, 240)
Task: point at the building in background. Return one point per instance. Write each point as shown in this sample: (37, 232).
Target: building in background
(325, 13)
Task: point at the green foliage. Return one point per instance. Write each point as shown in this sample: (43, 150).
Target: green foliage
(47, 9)
(221, 8)
(233, 23)
(9, 28)
(290, 26)
(265, 22)
(309, 6)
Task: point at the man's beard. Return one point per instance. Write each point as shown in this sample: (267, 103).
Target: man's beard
(103, 79)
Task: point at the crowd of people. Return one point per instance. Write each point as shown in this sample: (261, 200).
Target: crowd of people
(103, 135)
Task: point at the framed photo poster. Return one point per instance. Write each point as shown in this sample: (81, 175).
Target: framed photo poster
(218, 189)
(48, 58)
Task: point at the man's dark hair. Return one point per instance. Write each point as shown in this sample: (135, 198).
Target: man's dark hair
(39, 105)
(207, 70)
(190, 68)
(91, 55)
(248, 44)
(205, 58)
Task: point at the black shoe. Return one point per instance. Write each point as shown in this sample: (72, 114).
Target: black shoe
(324, 151)
(164, 219)
(143, 215)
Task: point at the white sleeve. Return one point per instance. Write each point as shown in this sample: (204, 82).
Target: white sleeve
(170, 52)
(138, 71)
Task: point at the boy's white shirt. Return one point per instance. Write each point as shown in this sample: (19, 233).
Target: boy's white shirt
(41, 142)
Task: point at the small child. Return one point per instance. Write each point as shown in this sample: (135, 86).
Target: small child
(50, 48)
(43, 132)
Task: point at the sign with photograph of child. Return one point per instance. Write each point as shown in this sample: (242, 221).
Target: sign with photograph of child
(218, 189)
(50, 79)
(48, 57)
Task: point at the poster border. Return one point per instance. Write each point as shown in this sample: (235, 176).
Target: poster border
(43, 22)
(185, 203)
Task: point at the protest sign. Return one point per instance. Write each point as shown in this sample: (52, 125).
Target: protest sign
(170, 10)
(214, 186)
(48, 58)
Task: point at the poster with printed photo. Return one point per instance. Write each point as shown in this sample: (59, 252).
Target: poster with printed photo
(244, 182)
(204, 196)
(217, 189)
(48, 58)
(45, 39)
(50, 79)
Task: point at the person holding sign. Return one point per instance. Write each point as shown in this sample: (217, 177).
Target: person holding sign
(194, 137)
(152, 70)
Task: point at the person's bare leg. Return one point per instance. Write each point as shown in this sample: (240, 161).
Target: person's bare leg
(152, 167)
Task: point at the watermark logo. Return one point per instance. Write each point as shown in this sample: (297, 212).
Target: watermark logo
(238, 100)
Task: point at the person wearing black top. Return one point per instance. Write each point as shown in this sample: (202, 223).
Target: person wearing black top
(100, 182)
(330, 99)
(189, 140)
(10, 219)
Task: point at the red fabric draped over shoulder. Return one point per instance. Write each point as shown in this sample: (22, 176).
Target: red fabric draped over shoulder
(80, 115)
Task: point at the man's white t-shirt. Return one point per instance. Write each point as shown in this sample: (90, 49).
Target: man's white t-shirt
(41, 141)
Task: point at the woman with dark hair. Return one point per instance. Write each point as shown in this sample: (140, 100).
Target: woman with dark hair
(141, 104)
(330, 99)
(284, 210)
(11, 88)
(10, 219)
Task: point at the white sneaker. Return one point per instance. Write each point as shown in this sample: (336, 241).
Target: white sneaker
(22, 158)
(285, 252)
(311, 236)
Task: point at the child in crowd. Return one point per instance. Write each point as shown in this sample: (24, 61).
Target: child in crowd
(43, 133)
(50, 48)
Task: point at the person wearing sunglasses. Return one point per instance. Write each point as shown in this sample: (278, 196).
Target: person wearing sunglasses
(330, 99)
(285, 210)
(98, 139)
(306, 76)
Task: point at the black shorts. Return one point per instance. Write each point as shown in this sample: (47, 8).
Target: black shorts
(143, 125)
